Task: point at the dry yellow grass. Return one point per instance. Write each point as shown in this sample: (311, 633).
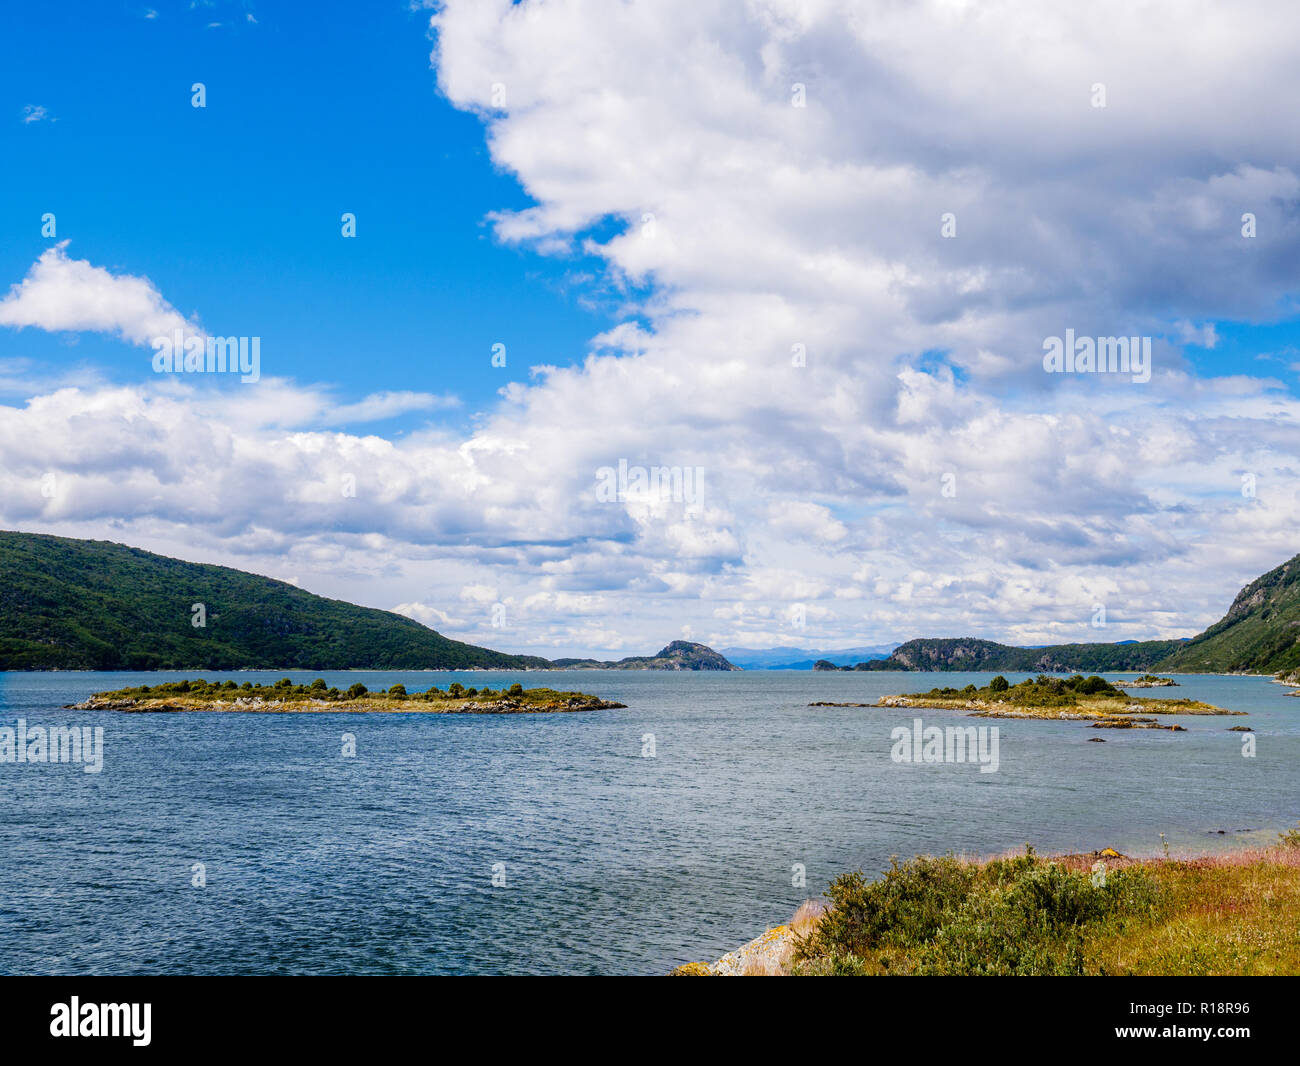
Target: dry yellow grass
(1237, 913)
(807, 916)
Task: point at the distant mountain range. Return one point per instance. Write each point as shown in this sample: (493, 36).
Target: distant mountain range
(95, 605)
(802, 658)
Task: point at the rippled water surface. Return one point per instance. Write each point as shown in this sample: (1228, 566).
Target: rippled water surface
(614, 863)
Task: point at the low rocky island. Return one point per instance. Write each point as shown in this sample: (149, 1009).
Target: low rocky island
(284, 697)
(1146, 681)
(1076, 698)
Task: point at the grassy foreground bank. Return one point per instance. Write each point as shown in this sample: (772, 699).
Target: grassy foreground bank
(1099, 914)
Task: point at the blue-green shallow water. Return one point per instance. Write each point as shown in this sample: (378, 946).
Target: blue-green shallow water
(615, 863)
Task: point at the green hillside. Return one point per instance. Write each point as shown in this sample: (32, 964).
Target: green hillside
(94, 605)
(972, 653)
(1259, 634)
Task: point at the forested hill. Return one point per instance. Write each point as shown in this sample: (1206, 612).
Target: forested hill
(971, 653)
(95, 605)
(1260, 634)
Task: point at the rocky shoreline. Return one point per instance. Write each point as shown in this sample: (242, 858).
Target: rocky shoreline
(767, 955)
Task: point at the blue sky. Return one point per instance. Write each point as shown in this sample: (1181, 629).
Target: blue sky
(233, 210)
(712, 239)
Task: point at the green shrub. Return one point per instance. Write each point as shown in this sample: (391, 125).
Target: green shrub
(397, 690)
(906, 906)
(999, 684)
(944, 917)
(516, 690)
(356, 690)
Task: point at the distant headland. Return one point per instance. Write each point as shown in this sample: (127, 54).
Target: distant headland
(1258, 635)
(679, 655)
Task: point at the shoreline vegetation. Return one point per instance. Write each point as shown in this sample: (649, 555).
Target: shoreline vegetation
(284, 697)
(1072, 699)
(1094, 914)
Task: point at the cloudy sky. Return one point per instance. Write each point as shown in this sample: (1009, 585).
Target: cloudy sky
(805, 254)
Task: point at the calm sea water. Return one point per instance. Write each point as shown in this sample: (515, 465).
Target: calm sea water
(613, 863)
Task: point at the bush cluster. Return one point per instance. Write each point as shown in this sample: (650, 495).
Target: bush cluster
(1039, 691)
(285, 689)
(940, 916)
